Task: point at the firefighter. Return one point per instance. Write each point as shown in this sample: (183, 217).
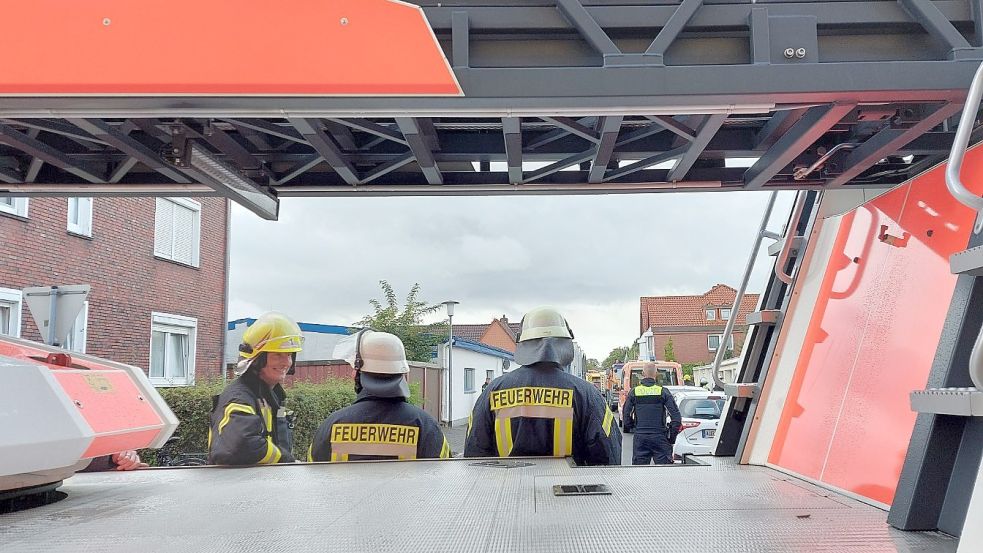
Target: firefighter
(541, 410)
(645, 412)
(249, 424)
(381, 424)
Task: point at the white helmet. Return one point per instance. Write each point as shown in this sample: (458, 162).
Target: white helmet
(374, 352)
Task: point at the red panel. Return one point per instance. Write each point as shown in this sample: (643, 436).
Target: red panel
(110, 400)
(231, 47)
(114, 443)
(847, 420)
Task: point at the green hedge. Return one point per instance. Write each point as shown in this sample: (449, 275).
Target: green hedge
(312, 403)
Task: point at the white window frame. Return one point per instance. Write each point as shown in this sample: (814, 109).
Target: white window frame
(724, 310)
(196, 230)
(711, 314)
(173, 324)
(492, 375)
(720, 337)
(469, 372)
(19, 207)
(14, 299)
(79, 334)
(84, 226)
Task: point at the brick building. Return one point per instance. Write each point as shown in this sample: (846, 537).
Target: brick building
(694, 323)
(157, 268)
(499, 333)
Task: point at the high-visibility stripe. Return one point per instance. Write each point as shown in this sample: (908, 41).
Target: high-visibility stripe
(642, 390)
(445, 451)
(234, 408)
(470, 417)
(608, 419)
(310, 453)
(209, 439)
(273, 453)
(562, 437)
(568, 435)
(503, 436)
(334, 457)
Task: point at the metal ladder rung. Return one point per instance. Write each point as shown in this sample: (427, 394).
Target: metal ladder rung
(764, 317)
(966, 402)
(967, 262)
(776, 248)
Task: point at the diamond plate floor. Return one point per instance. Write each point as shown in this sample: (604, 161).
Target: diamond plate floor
(452, 506)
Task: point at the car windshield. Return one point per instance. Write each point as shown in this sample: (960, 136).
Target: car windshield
(694, 408)
(665, 377)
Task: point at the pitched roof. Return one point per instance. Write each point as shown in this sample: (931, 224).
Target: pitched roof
(663, 311)
(470, 331)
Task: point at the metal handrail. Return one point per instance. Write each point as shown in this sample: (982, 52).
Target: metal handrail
(976, 362)
(793, 223)
(959, 145)
(736, 310)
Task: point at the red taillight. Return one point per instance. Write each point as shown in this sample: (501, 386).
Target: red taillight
(689, 424)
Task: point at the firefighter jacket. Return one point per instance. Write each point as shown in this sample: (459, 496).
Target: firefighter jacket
(645, 409)
(375, 428)
(540, 410)
(249, 424)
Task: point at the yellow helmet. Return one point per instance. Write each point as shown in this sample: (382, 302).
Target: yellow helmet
(272, 332)
(543, 322)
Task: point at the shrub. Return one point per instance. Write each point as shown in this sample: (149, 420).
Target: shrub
(311, 403)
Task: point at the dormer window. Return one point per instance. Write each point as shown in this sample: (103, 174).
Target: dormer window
(725, 314)
(711, 314)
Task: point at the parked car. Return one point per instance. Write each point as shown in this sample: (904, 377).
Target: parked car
(701, 412)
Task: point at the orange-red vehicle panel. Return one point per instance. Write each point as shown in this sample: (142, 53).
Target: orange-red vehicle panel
(114, 443)
(876, 325)
(108, 400)
(224, 47)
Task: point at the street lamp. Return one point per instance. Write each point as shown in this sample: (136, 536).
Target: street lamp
(449, 305)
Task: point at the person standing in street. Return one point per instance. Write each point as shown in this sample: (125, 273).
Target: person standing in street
(645, 412)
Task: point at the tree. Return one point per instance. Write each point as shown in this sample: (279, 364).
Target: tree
(593, 365)
(419, 339)
(669, 351)
(621, 354)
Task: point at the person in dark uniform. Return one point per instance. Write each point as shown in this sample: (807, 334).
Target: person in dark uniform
(248, 422)
(541, 410)
(381, 424)
(645, 413)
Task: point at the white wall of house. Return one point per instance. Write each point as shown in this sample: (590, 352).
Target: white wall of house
(317, 345)
(482, 365)
(728, 371)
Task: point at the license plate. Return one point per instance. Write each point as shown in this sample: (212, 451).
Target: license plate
(709, 432)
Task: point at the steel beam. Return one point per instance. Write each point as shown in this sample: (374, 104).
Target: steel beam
(610, 127)
(553, 136)
(421, 151)
(645, 163)
(683, 14)
(887, 141)
(559, 165)
(512, 131)
(122, 169)
(460, 39)
(776, 127)
(672, 125)
(46, 153)
(581, 19)
(342, 134)
(928, 15)
(269, 128)
(388, 167)
(75, 190)
(800, 136)
(760, 35)
(703, 137)
(639, 134)
(130, 147)
(36, 164)
(10, 176)
(371, 127)
(311, 130)
(574, 127)
(532, 189)
(300, 169)
(59, 128)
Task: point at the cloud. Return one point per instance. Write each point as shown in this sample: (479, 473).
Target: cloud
(590, 256)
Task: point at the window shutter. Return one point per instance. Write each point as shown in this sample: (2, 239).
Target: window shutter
(164, 228)
(184, 234)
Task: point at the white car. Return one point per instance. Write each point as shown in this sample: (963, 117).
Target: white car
(701, 412)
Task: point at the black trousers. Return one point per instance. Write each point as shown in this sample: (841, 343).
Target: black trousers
(648, 446)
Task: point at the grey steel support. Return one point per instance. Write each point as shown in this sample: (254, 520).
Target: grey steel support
(639, 134)
(800, 136)
(559, 165)
(36, 164)
(512, 131)
(683, 14)
(342, 135)
(371, 127)
(933, 483)
(460, 39)
(421, 151)
(610, 127)
(311, 130)
(46, 153)
(269, 128)
(582, 20)
(644, 163)
(674, 126)
(301, 168)
(235, 151)
(388, 167)
(575, 128)
(776, 127)
(205, 168)
(59, 128)
(696, 147)
(928, 15)
(131, 147)
(887, 141)
(553, 136)
(760, 35)
(10, 176)
(976, 11)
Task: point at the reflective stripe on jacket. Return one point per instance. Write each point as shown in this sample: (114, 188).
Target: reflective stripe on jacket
(540, 410)
(646, 406)
(378, 429)
(248, 426)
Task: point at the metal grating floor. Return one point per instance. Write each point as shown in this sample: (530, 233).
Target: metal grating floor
(455, 507)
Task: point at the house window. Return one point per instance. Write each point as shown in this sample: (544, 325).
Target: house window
(490, 375)
(711, 314)
(724, 314)
(713, 342)
(10, 309)
(14, 206)
(80, 216)
(468, 380)
(177, 230)
(172, 350)
(79, 331)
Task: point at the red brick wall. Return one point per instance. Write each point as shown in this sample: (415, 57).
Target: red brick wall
(315, 372)
(128, 282)
(692, 347)
(496, 336)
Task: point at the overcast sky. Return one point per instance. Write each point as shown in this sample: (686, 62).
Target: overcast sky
(590, 256)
